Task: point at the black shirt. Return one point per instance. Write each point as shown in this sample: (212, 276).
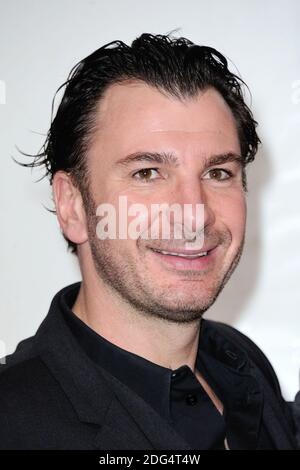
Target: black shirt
(177, 395)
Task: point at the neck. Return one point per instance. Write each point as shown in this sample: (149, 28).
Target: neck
(167, 344)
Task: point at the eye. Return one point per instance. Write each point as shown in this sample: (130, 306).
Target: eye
(218, 174)
(146, 174)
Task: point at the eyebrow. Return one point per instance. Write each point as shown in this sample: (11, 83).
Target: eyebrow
(167, 158)
(162, 158)
(224, 158)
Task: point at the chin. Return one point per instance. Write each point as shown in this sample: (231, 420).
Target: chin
(187, 299)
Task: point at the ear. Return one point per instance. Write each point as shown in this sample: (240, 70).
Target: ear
(69, 208)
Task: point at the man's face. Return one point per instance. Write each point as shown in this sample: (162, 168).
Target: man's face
(136, 118)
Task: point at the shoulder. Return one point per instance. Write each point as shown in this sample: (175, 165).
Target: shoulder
(23, 374)
(260, 364)
(31, 400)
(23, 364)
(254, 353)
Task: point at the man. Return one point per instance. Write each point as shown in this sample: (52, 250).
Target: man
(124, 360)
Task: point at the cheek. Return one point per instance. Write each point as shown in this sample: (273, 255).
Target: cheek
(133, 210)
(231, 213)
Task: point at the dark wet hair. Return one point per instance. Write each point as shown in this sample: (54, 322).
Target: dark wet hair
(175, 66)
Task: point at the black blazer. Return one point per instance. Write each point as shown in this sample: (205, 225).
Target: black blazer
(52, 396)
(296, 414)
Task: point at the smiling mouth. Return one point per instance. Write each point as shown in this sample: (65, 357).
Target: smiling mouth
(186, 260)
(186, 255)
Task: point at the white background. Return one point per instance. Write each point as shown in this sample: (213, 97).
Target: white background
(39, 43)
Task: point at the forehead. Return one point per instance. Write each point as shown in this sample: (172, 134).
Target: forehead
(136, 117)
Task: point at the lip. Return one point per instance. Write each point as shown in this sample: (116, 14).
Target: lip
(181, 263)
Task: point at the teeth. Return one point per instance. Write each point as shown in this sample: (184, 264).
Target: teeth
(204, 253)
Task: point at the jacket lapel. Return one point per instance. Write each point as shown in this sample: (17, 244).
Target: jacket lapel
(135, 424)
(125, 420)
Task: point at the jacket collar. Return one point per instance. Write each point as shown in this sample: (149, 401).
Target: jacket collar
(96, 396)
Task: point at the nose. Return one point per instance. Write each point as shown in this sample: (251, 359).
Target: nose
(191, 195)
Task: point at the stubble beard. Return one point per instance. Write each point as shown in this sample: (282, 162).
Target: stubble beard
(121, 277)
